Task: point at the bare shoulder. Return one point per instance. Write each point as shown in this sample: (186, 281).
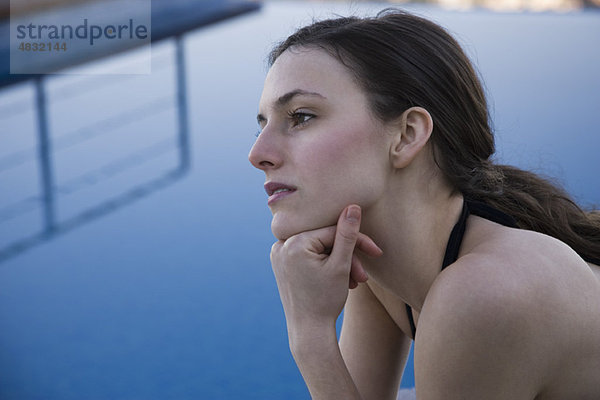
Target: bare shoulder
(521, 268)
(511, 309)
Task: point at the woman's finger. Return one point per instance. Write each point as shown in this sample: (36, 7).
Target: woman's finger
(326, 237)
(368, 246)
(357, 272)
(352, 284)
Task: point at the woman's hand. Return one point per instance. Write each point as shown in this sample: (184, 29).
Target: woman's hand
(314, 269)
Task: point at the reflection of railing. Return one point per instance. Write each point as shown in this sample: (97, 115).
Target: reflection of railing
(170, 19)
(49, 150)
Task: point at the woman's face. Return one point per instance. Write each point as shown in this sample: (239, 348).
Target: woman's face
(320, 148)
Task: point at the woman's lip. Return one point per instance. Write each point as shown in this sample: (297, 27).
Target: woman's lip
(278, 196)
(277, 190)
(272, 187)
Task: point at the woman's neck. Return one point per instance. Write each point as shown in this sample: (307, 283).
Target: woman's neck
(412, 229)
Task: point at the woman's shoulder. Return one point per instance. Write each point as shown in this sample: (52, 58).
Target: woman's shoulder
(521, 272)
(515, 283)
(486, 293)
(516, 302)
(518, 262)
(478, 329)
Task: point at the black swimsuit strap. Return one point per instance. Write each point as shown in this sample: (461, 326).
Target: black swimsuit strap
(456, 237)
(484, 211)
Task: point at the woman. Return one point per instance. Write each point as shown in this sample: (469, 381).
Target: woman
(376, 148)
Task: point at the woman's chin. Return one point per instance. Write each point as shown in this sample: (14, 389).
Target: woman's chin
(283, 231)
(284, 227)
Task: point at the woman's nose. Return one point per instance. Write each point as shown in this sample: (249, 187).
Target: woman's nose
(265, 154)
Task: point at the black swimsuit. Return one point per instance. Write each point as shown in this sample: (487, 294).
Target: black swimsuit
(456, 236)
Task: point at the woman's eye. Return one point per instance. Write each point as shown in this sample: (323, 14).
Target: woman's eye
(300, 118)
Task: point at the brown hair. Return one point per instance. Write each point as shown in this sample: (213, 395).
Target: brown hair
(402, 60)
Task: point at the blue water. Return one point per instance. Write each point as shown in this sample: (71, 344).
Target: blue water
(156, 283)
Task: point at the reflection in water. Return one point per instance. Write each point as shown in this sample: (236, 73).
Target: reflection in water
(150, 155)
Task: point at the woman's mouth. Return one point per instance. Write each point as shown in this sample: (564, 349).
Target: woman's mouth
(277, 191)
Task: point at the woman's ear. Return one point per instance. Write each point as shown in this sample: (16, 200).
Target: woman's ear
(411, 133)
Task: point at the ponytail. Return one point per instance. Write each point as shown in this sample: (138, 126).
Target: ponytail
(538, 205)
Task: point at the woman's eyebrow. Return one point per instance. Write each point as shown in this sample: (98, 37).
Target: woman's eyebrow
(286, 98)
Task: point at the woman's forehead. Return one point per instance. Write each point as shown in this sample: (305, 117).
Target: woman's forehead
(308, 70)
